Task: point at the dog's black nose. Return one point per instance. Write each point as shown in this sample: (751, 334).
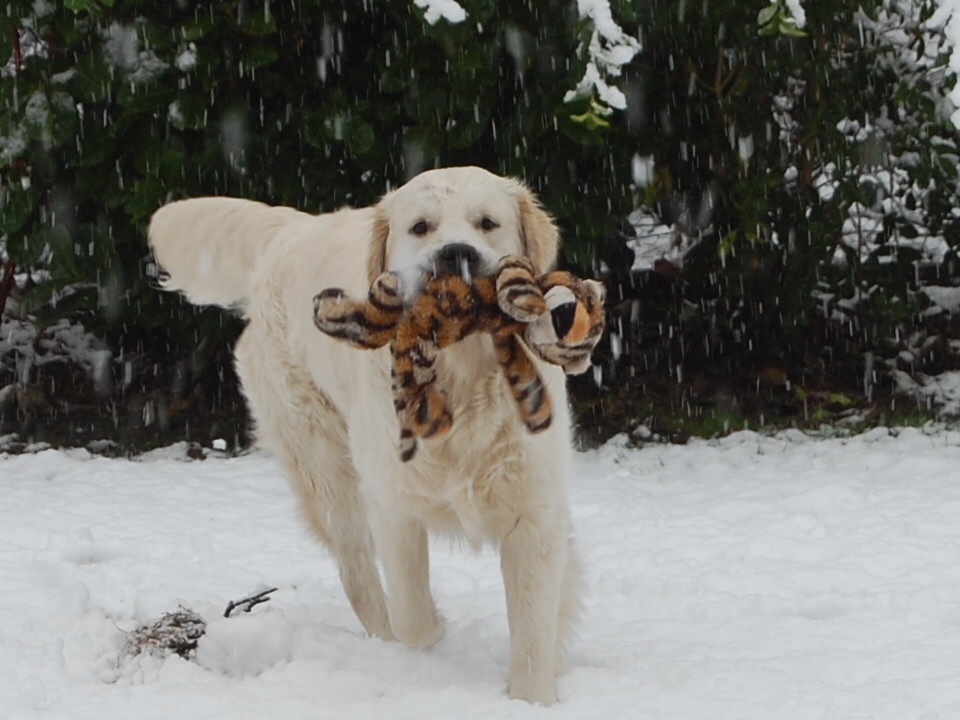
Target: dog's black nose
(456, 259)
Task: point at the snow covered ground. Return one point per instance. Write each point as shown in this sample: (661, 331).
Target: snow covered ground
(754, 577)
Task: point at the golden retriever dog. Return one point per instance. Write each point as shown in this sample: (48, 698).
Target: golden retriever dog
(325, 409)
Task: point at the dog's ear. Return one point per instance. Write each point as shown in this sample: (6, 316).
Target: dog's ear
(540, 237)
(380, 230)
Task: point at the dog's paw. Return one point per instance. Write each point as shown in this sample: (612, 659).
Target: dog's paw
(536, 693)
(419, 632)
(531, 678)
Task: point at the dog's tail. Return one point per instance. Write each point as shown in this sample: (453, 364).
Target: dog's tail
(208, 247)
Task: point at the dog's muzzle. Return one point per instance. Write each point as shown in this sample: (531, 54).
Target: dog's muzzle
(457, 259)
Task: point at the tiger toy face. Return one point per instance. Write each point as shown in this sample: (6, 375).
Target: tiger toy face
(567, 335)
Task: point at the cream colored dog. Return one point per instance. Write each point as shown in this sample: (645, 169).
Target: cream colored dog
(325, 409)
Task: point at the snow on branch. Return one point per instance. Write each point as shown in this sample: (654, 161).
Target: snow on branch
(946, 19)
(609, 49)
(795, 11)
(775, 19)
(449, 10)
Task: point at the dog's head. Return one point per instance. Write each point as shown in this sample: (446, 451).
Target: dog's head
(459, 220)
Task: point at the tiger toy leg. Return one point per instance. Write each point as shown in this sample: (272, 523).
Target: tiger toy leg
(527, 387)
(446, 310)
(420, 405)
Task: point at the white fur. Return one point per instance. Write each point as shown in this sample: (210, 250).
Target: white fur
(325, 409)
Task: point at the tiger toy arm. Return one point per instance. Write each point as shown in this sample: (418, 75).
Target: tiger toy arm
(365, 324)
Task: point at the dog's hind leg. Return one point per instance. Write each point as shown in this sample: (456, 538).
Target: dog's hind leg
(302, 428)
(336, 514)
(351, 543)
(326, 487)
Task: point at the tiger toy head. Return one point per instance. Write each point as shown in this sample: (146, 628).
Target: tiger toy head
(567, 334)
(559, 317)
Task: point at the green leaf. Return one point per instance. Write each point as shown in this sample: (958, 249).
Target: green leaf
(768, 14)
(772, 20)
(258, 54)
(313, 123)
(625, 10)
(840, 399)
(260, 23)
(6, 44)
(148, 99)
(591, 121)
(197, 27)
(77, 6)
(190, 109)
(146, 195)
(767, 30)
(17, 206)
(788, 27)
(361, 137)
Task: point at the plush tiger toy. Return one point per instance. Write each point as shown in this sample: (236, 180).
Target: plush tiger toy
(559, 316)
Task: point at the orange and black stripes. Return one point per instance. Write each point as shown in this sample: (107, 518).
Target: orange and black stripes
(367, 325)
(524, 381)
(518, 293)
(448, 309)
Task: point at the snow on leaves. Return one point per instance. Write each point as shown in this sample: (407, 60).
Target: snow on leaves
(435, 10)
(608, 50)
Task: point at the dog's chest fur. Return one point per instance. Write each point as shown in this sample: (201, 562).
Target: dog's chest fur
(467, 483)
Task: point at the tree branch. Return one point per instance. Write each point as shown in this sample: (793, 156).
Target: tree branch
(17, 53)
(6, 284)
(248, 603)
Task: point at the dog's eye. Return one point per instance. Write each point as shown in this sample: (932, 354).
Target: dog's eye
(420, 228)
(488, 224)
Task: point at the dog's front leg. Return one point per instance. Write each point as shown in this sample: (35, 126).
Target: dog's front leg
(533, 556)
(402, 546)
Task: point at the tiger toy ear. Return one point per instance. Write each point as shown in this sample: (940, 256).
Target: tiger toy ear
(567, 335)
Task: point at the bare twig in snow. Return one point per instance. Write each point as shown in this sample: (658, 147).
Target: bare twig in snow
(248, 603)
